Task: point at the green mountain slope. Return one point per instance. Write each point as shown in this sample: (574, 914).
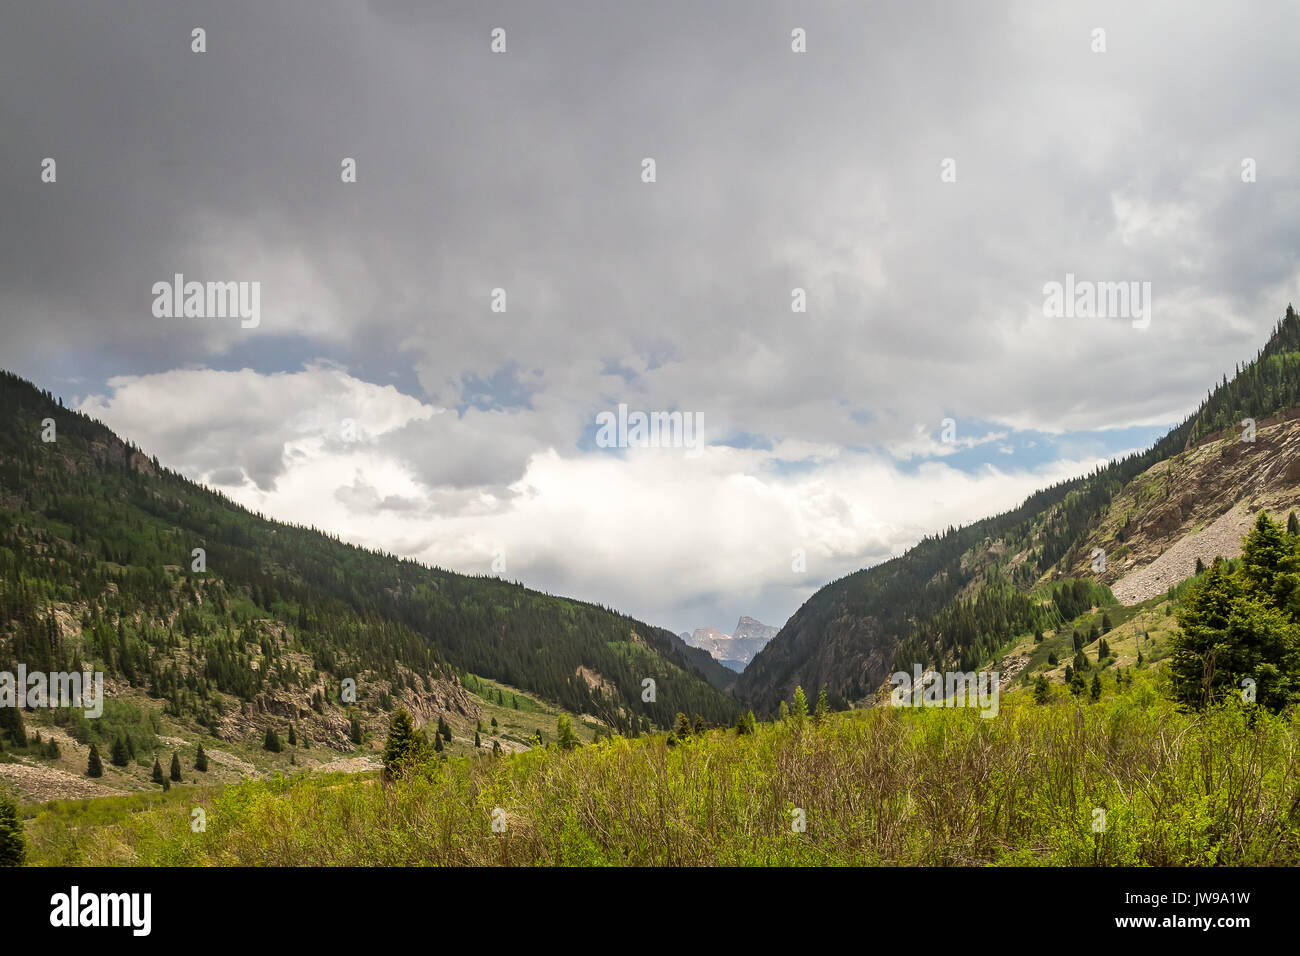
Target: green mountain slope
(96, 545)
(961, 595)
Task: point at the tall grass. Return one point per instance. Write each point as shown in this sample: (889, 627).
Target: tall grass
(884, 786)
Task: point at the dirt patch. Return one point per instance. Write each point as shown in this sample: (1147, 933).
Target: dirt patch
(38, 784)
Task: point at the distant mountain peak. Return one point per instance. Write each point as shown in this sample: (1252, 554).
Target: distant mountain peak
(733, 650)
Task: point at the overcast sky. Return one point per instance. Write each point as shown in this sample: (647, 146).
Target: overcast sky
(381, 397)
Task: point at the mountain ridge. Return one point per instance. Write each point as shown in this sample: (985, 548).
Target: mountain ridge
(922, 604)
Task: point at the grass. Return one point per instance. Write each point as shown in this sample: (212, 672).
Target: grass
(929, 786)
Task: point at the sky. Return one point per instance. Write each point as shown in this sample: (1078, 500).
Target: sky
(436, 340)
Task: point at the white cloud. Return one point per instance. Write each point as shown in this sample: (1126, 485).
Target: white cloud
(653, 532)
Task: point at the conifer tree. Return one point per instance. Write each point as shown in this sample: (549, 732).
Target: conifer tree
(13, 844)
(683, 728)
(1096, 687)
(11, 724)
(1042, 689)
(94, 766)
(564, 734)
(158, 777)
(799, 709)
(822, 710)
(401, 746)
(201, 760)
(119, 756)
(176, 767)
(272, 741)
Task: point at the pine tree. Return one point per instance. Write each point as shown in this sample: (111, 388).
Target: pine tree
(158, 777)
(799, 710)
(1105, 623)
(293, 737)
(697, 726)
(1096, 687)
(11, 724)
(494, 725)
(176, 767)
(823, 709)
(564, 734)
(478, 741)
(401, 747)
(119, 755)
(272, 741)
(1052, 659)
(496, 748)
(13, 845)
(354, 729)
(683, 728)
(201, 760)
(95, 766)
(1042, 689)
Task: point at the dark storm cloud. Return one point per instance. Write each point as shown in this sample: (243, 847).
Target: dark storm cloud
(521, 171)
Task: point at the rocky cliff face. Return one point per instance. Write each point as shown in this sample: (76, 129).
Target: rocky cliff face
(733, 650)
(1199, 504)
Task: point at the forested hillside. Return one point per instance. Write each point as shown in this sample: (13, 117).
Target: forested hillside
(97, 568)
(929, 603)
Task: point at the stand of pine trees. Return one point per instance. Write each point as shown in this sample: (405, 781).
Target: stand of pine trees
(1239, 630)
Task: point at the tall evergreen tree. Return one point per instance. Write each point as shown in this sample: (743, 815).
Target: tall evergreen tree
(94, 766)
(800, 707)
(1042, 689)
(13, 844)
(176, 767)
(401, 746)
(564, 734)
(201, 760)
